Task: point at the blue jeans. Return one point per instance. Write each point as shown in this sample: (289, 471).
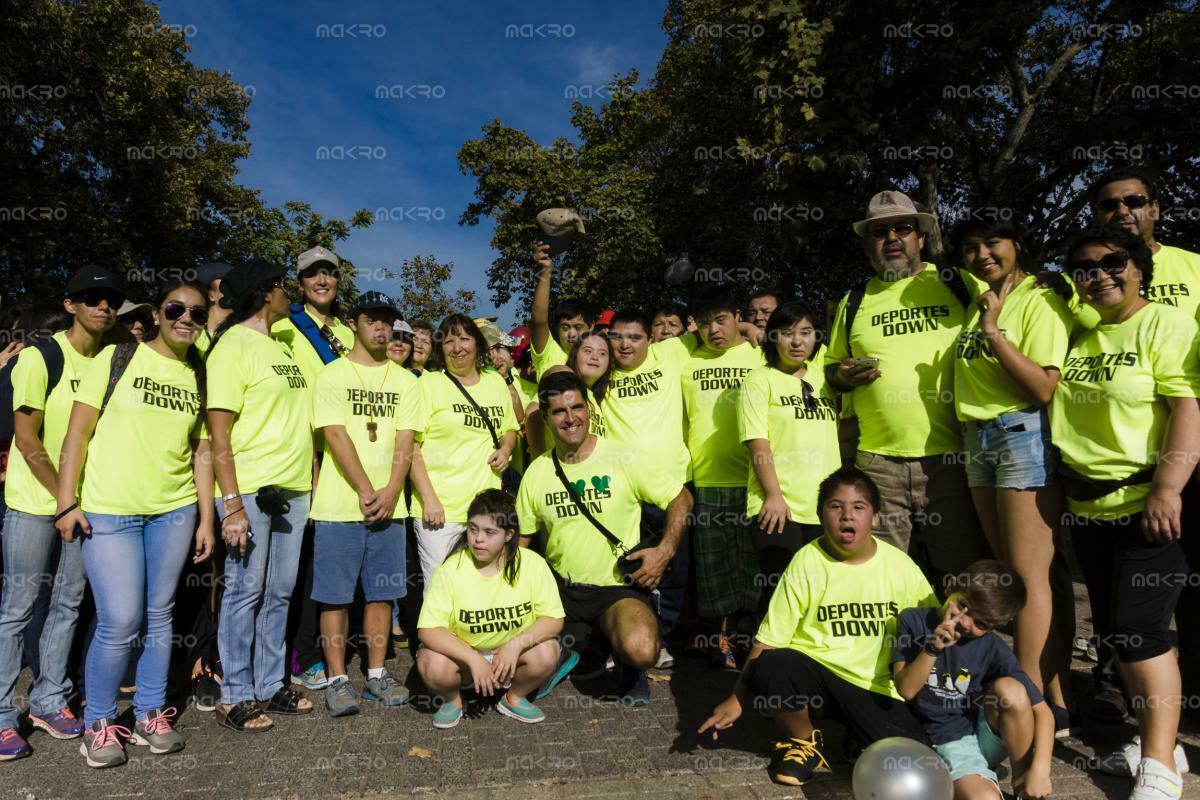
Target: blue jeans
(133, 564)
(254, 609)
(34, 557)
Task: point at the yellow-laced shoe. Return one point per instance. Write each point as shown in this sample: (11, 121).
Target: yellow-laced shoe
(795, 760)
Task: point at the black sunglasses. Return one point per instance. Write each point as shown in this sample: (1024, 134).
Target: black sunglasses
(174, 311)
(902, 229)
(93, 297)
(1087, 269)
(1130, 201)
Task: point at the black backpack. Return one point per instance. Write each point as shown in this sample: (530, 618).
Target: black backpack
(52, 354)
(952, 278)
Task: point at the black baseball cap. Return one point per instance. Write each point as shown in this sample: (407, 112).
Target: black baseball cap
(212, 271)
(94, 277)
(372, 301)
(239, 282)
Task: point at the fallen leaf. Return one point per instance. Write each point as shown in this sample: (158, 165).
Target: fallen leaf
(658, 678)
(420, 752)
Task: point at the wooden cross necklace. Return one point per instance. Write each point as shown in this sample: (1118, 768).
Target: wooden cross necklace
(372, 426)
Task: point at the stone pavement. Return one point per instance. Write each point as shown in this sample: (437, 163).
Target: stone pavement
(589, 747)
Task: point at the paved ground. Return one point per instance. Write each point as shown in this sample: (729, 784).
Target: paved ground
(588, 748)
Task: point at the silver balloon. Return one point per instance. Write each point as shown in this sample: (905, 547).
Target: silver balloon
(901, 769)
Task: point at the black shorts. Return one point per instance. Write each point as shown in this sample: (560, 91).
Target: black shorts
(788, 680)
(586, 604)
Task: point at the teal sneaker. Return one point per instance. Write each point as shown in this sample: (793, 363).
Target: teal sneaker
(448, 715)
(313, 678)
(567, 661)
(386, 690)
(522, 710)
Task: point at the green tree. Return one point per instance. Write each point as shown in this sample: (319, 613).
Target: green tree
(117, 150)
(767, 126)
(422, 282)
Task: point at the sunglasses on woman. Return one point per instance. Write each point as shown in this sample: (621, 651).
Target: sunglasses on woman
(1089, 270)
(173, 311)
(1130, 201)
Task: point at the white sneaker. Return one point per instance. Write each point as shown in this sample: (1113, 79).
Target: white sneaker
(1156, 782)
(665, 659)
(1124, 762)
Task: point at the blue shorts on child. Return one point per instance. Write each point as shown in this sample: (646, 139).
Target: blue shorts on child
(978, 753)
(347, 553)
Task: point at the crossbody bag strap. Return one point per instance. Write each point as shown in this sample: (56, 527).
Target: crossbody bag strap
(478, 409)
(583, 509)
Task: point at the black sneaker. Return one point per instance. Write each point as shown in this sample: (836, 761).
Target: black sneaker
(633, 688)
(591, 665)
(206, 692)
(794, 761)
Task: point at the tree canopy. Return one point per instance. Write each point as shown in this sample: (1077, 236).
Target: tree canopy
(767, 127)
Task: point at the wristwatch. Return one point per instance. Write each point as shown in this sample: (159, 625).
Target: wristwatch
(929, 648)
(225, 498)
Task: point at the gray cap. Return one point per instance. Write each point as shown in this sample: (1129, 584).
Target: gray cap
(318, 254)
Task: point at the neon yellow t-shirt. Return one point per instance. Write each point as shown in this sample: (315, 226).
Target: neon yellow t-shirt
(139, 460)
(804, 444)
(643, 407)
(551, 356)
(487, 612)
(22, 491)
(204, 341)
(711, 382)
(613, 482)
(254, 376)
(455, 443)
(352, 395)
(526, 395)
(1110, 412)
(843, 616)
(302, 350)
(911, 326)
(1037, 322)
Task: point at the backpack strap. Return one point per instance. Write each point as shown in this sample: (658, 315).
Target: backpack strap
(53, 355)
(122, 355)
(854, 299)
(951, 277)
(478, 409)
(957, 286)
(583, 509)
(312, 332)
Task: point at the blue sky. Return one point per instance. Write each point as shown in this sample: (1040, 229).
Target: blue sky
(450, 68)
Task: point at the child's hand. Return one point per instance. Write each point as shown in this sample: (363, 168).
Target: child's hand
(946, 634)
(504, 662)
(1033, 784)
(481, 676)
(723, 716)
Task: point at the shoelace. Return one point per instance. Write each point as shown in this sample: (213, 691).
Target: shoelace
(160, 723)
(108, 736)
(800, 750)
(8, 733)
(65, 713)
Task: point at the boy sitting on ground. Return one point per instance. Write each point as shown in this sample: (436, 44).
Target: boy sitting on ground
(821, 650)
(968, 690)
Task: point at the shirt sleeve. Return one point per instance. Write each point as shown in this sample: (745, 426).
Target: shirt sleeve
(437, 607)
(546, 600)
(677, 348)
(94, 382)
(29, 380)
(1173, 356)
(552, 355)
(327, 406)
(753, 405)
(226, 383)
(1046, 333)
(910, 636)
(650, 485)
(787, 607)
(410, 411)
(835, 348)
(527, 512)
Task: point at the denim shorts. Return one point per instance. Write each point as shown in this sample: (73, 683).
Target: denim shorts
(345, 553)
(1012, 451)
(978, 753)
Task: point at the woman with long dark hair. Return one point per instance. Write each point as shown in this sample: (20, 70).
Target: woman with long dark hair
(470, 432)
(259, 423)
(137, 435)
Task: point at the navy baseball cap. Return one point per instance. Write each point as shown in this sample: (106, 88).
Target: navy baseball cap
(93, 277)
(373, 301)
